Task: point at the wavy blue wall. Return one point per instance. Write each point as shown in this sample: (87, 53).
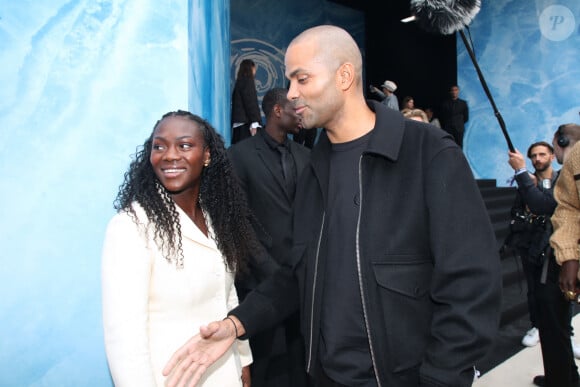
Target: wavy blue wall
(528, 52)
(82, 83)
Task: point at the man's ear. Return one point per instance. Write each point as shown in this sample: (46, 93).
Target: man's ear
(345, 76)
(278, 110)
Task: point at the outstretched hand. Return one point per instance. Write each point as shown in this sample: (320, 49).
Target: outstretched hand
(187, 365)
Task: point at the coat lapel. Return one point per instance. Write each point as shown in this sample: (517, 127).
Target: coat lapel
(190, 231)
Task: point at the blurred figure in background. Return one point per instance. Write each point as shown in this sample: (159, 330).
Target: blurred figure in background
(454, 115)
(246, 116)
(431, 117)
(415, 114)
(387, 96)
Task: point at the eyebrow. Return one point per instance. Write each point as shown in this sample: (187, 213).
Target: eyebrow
(293, 73)
(178, 138)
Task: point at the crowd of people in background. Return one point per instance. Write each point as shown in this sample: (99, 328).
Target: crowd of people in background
(453, 111)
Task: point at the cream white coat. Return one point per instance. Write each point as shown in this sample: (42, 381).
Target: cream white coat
(151, 308)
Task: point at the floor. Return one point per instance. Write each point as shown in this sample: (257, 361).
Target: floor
(519, 370)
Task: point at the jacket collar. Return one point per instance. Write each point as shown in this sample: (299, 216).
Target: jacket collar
(387, 134)
(190, 231)
(385, 140)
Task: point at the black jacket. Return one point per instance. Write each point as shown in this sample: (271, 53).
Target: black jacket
(530, 227)
(429, 268)
(245, 108)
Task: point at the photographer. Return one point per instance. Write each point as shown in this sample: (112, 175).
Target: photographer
(549, 312)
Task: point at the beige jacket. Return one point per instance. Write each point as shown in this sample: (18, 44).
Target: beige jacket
(566, 218)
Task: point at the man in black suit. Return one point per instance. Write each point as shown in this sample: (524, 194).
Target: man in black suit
(268, 166)
(454, 114)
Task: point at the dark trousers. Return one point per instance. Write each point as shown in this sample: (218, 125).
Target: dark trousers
(532, 273)
(554, 319)
(279, 356)
(457, 135)
(240, 133)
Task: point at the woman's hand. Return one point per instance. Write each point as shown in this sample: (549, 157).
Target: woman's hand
(246, 377)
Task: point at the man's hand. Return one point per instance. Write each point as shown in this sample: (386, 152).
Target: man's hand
(188, 364)
(569, 278)
(516, 160)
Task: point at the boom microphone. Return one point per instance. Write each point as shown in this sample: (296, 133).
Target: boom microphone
(446, 17)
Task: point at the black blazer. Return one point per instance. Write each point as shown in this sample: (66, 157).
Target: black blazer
(245, 107)
(253, 163)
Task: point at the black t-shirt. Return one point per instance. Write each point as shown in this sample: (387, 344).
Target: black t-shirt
(344, 348)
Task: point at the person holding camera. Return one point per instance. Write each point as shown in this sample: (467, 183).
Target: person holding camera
(549, 311)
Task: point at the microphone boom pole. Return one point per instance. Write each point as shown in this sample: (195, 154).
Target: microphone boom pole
(487, 92)
(448, 16)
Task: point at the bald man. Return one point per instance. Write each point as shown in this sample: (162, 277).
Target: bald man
(394, 263)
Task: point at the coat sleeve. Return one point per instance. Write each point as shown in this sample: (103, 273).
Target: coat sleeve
(566, 218)
(466, 281)
(539, 202)
(270, 303)
(126, 272)
(242, 346)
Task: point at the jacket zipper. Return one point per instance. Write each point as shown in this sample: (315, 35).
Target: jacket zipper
(313, 293)
(360, 282)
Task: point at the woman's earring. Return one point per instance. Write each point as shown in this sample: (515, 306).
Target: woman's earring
(206, 163)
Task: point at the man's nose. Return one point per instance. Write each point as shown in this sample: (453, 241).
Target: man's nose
(292, 92)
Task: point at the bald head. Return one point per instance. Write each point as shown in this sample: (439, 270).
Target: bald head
(334, 45)
(324, 67)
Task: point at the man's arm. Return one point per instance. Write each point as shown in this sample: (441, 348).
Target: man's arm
(539, 202)
(466, 281)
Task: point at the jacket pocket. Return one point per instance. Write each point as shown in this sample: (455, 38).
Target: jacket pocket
(403, 284)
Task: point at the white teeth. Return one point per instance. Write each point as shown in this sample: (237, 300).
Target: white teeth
(173, 170)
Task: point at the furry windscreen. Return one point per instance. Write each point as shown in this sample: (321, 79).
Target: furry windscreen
(444, 16)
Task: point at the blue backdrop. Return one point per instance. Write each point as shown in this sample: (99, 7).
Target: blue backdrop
(83, 82)
(528, 52)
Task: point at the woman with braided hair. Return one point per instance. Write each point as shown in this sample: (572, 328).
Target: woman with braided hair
(181, 233)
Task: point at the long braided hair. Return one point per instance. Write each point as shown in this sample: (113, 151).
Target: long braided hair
(220, 197)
